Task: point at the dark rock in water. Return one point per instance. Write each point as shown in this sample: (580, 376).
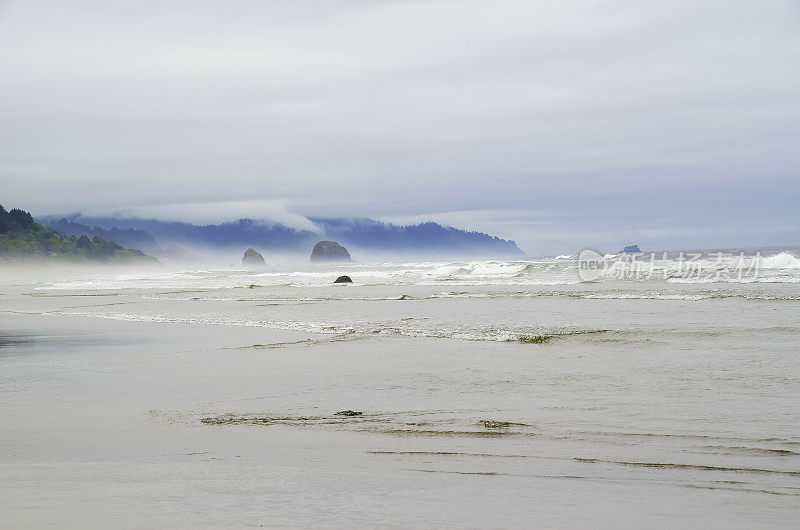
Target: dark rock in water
(349, 413)
(252, 258)
(329, 251)
(631, 248)
(343, 279)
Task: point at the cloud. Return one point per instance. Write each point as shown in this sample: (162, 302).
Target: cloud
(210, 213)
(395, 109)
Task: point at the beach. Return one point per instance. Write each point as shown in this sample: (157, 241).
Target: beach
(499, 394)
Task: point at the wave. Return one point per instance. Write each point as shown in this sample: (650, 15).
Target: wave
(782, 267)
(734, 487)
(447, 453)
(544, 339)
(404, 327)
(697, 467)
(275, 298)
(343, 296)
(623, 295)
(441, 424)
(392, 423)
(766, 279)
(695, 437)
(784, 260)
(485, 272)
(751, 451)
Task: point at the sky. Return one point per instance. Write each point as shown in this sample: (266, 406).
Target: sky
(561, 125)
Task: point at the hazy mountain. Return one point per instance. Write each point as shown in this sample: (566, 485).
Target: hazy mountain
(128, 237)
(371, 234)
(365, 234)
(247, 232)
(23, 239)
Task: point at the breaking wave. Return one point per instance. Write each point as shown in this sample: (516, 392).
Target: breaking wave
(784, 260)
(405, 327)
(487, 272)
(783, 267)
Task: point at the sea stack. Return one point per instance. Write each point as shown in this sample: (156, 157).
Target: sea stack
(630, 249)
(329, 251)
(252, 258)
(343, 279)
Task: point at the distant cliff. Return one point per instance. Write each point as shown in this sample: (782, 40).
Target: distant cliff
(128, 237)
(630, 249)
(365, 234)
(23, 239)
(241, 233)
(371, 234)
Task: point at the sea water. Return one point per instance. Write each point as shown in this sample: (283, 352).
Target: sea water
(491, 393)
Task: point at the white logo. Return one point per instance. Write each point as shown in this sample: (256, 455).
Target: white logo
(591, 265)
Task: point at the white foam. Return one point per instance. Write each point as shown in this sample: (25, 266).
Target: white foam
(402, 328)
(784, 260)
(780, 268)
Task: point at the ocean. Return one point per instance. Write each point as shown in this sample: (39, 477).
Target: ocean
(657, 390)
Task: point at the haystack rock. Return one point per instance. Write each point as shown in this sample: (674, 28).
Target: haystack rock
(329, 251)
(252, 258)
(630, 249)
(343, 279)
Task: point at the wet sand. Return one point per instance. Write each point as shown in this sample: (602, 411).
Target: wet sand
(103, 425)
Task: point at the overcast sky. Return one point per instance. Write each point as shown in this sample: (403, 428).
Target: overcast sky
(560, 124)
